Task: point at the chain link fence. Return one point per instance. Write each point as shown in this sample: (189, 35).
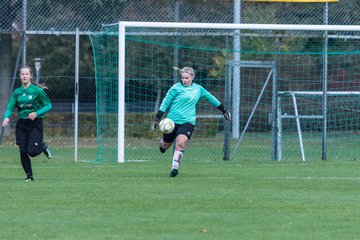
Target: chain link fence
(48, 28)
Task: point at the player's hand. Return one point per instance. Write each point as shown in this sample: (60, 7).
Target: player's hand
(5, 122)
(32, 116)
(227, 115)
(154, 124)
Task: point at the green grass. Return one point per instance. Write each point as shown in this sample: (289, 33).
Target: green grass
(208, 200)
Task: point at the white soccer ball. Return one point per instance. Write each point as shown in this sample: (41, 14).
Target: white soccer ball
(166, 125)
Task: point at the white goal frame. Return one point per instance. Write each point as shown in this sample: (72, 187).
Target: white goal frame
(225, 26)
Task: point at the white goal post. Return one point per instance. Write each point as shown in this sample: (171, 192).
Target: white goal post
(226, 26)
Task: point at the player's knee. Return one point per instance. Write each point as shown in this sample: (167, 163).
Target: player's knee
(33, 151)
(166, 145)
(180, 146)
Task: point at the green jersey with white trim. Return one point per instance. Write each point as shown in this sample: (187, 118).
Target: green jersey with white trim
(28, 100)
(181, 102)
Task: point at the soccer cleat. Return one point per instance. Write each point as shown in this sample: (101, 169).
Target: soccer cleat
(174, 172)
(29, 179)
(46, 150)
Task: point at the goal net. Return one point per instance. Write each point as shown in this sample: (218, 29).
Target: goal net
(293, 90)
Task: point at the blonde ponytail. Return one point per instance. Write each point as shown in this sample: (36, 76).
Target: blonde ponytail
(187, 70)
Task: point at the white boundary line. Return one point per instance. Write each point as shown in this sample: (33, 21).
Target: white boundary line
(314, 178)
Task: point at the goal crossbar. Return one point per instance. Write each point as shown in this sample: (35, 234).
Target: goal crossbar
(240, 26)
(320, 93)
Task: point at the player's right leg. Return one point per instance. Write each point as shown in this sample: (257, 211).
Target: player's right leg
(167, 140)
(26, 163)
(163, 146)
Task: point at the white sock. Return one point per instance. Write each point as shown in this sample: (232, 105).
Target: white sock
(176, 159)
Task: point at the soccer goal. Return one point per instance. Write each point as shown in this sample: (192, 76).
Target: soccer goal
(292, 89)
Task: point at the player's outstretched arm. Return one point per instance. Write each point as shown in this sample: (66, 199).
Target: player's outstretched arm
(226, 113)
(156, 121)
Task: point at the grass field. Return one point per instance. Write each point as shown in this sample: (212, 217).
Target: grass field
(208, 200)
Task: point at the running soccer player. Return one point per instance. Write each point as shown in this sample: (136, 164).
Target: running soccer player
(181, 100)
(32, 103)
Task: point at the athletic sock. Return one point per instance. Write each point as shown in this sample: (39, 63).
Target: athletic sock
(176, 159)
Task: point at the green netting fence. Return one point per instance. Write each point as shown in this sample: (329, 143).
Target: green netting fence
(294, 95)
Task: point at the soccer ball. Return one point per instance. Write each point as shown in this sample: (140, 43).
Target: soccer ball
(166, 125)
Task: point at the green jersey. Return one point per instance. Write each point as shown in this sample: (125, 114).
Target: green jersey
(181, 102)
(28, 100)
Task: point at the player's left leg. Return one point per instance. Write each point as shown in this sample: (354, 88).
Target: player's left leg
(183, 134)
(46, 150)
(35, 138)
(178, 154)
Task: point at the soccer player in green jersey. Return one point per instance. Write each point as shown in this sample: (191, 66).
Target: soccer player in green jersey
(32, 103)
(180, 102)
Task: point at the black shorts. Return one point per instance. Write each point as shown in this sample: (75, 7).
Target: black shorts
(185, 128)
(29, 132)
